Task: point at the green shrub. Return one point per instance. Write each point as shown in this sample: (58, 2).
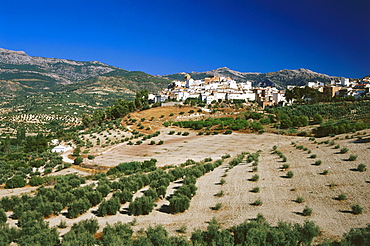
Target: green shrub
(318, 163)
(36, 181)
(285, 166)
(225, 156)
(325, 172)
(78, 160)
(342, 197)
(255, 190)
(228, 131)
(179, 204)
(299, 199)
(255, 177)
(361, 168)
(220, 193)
(352, 157)
(343, 150)
(313, 156)
(218, 206)
(289, 174)
(142, 205)
(337, 146)
(257, 202)
(15, 182)
(307, 211)
(166, 124)
(222, 182)
(356, 209)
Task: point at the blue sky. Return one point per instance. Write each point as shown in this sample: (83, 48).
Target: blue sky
(164, 37)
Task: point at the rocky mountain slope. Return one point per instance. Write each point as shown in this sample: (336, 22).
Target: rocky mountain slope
(279, 79)
(23, 74)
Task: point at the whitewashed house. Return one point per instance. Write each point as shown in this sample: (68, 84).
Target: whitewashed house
(60, 149)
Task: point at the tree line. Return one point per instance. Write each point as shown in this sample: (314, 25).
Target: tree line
(120, 109)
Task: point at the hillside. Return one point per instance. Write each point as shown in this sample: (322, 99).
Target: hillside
(21, 74)
(279, 79)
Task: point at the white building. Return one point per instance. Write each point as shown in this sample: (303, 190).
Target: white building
(60, 149)
(344, 82)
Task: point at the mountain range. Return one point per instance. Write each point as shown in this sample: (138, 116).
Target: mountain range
(280, 79)
(21, 74)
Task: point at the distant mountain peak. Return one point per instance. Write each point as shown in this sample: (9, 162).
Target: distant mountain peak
(280, 79)
(12, 52)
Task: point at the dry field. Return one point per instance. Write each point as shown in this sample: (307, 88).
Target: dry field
(277, 192)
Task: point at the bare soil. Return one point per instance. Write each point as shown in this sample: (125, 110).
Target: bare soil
(277, 192)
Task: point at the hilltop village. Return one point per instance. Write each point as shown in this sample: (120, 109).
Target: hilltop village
(224, 88)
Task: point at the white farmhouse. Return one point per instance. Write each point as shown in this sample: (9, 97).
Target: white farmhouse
(60, 149)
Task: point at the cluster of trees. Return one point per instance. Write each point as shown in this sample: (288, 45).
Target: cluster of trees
(338, 110)
(304, 94)
(34, 231)
(339, 127)
(180, 201)
(21, 143)
(48, 201)
(239, 123)
(293, 121)
(120, 109)
(16, 167)
(237, 160)
(133, 167)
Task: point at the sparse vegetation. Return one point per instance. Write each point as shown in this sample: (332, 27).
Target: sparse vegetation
(289, 174)
(325, 172)
(307, 211)
(299, 199)
(285, 166)
(218, 206)
(255, 190)
(257, 202)
(361, 168)
(220, 193)
(356, 209)
(342, 197)
(343, 150)
(255, 177)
